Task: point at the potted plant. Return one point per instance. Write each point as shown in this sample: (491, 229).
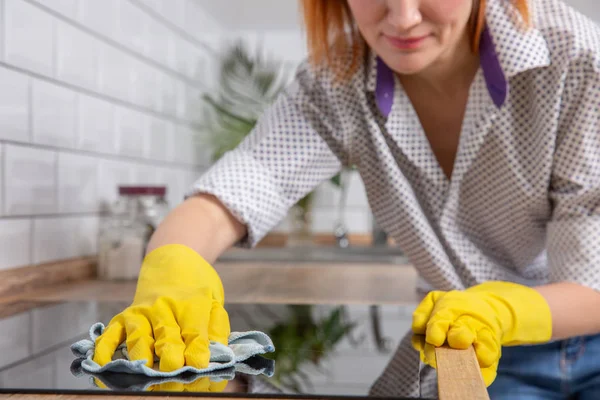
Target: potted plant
(248, 82)
(303, 342)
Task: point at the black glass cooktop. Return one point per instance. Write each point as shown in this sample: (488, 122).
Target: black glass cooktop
(323, 350)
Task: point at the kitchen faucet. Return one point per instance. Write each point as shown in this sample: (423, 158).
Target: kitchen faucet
(379, 236)
(341, 232)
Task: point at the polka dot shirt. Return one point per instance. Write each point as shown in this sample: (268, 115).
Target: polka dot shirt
(523, 201)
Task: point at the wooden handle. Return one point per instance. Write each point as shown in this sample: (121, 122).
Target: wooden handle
(459, 376)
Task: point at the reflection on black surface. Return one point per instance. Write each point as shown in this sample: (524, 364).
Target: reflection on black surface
(320, 349)
(214, 381)
(186, 382)
(302, 340)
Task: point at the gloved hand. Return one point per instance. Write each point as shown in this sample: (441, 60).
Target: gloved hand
(176, 311)
(201, 385)
(487, 316)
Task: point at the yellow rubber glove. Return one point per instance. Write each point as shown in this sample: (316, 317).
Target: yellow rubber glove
(201, 385)
(176, 311)
(487, 316)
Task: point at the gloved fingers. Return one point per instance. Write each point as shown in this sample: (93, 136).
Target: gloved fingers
(438, 326)
(462, 332)
(140, 342)
(169, 346)
(422, 313)
(426, 350)
(218, 387)
(193, 319)
(99, 383)
(489, 374)
(166, 387)
(107, 343)
(429, 355)
(467, 331)
(219, 328)
(418, 342)
(200, 385)
(487, 347)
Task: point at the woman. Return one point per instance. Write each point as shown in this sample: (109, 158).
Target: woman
(475, 127)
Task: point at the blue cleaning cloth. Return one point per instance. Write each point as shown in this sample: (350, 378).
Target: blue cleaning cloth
(240, 355)
(255, 365)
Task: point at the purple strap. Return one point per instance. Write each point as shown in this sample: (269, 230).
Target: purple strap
(492, 70)
(384, 91)
(490, 64)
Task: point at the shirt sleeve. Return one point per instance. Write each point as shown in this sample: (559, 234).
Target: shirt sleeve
(295, 146)
(573, 235)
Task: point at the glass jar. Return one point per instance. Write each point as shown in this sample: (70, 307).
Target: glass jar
(126, 230)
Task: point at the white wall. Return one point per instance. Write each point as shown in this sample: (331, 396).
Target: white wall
(95, 93)
(591, 8)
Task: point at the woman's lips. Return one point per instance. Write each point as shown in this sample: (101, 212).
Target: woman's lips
(410, 43)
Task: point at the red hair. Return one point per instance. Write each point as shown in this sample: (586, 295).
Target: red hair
(328, 21)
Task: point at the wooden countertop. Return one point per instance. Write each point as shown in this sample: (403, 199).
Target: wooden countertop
(267, 283)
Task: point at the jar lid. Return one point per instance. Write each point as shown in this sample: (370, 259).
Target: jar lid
(142, 190)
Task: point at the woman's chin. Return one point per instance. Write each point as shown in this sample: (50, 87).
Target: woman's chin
(409, 63)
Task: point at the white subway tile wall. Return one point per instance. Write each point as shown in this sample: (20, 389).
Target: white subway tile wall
(29, 180)
(77, 184)
(67, 7)
(76, 56)
(2, 170)
(15, 242)
(53, 114)
(96, 131)
(28, 36)
(99, 93)
(100, 16)
(60, 238)
(14, 106)
(93, 96)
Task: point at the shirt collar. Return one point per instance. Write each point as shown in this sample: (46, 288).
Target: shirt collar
(507, 47)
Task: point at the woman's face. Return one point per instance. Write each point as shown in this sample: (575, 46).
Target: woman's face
(412, 35)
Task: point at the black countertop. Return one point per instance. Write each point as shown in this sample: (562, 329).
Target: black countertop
(321, 350)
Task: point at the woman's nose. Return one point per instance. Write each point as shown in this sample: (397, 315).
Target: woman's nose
(404, 14)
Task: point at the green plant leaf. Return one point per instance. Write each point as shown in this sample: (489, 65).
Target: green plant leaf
(248, 84)
(337, 180)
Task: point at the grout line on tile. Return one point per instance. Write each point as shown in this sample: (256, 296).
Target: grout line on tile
(101, 96)
(117, 45)
(76, 126)
(57, 161)
(30, 109)
(108, 157)
(3, 207)
(182, 32)
(2, 30)
(32, 245)
(55, 48)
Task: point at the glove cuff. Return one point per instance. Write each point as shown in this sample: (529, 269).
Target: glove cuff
(176, 265)
(525, 315)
